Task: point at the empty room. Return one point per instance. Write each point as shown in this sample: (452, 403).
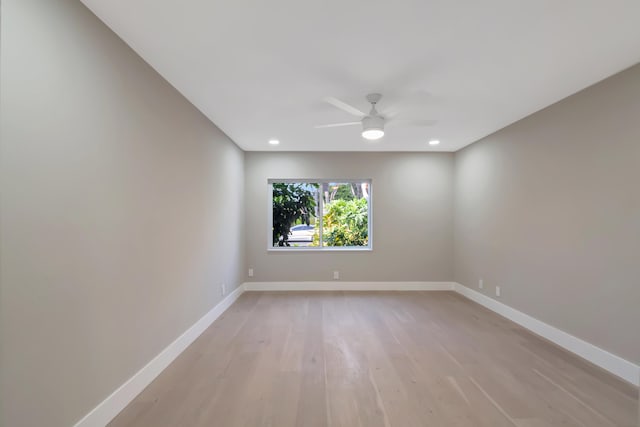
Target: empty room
(334, 213)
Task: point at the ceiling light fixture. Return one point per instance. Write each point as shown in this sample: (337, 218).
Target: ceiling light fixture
(372, 123)
(373, 126)
(274, 142)
(434, 142)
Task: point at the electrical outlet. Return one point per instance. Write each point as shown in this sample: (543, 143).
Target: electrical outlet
(223, 289)
(481, 283)
(336, 275)
(497, 291)
(251, 272)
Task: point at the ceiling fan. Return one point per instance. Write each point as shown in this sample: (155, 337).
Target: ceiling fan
(372, 123)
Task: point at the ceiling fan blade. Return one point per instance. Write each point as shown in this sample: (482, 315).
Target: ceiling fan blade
(390, 115)
(412, 122)
(344, 106)
(335, 125)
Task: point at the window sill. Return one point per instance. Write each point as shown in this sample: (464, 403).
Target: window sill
(291, 249)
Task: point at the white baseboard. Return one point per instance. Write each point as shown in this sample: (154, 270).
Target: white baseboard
(102, 414)
(599, 357)
(348, 286)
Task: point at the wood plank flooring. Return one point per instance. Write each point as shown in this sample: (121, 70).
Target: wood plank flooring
(376, 359)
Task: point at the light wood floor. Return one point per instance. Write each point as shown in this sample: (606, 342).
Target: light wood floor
(376, 359)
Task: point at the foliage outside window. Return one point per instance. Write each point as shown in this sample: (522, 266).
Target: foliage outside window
(320, 214)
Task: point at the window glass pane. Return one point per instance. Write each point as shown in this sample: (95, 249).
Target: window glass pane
(322, 213)
(295, 214)
(345, 213)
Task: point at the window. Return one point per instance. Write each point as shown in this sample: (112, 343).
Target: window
(320, 214)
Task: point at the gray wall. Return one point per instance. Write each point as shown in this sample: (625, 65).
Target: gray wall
(121, 213)
(549, 209)
(412, 216)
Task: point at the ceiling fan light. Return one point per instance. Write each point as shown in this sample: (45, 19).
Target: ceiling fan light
(372, 127)
(372, 134)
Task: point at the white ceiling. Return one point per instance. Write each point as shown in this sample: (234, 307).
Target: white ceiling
(259, 69)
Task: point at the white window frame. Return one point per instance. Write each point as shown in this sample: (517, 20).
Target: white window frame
(320, 248)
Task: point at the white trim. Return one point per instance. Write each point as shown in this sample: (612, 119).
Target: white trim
(290, 249)
(320, 218)
(102, 414)
(316, 180)
(269, 224)
(348, 286)
(610, 362)
(320, 247)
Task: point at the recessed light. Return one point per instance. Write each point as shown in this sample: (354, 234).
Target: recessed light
(434, 142)
(274, 142)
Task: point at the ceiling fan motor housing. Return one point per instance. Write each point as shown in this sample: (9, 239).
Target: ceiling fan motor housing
(373, 123)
